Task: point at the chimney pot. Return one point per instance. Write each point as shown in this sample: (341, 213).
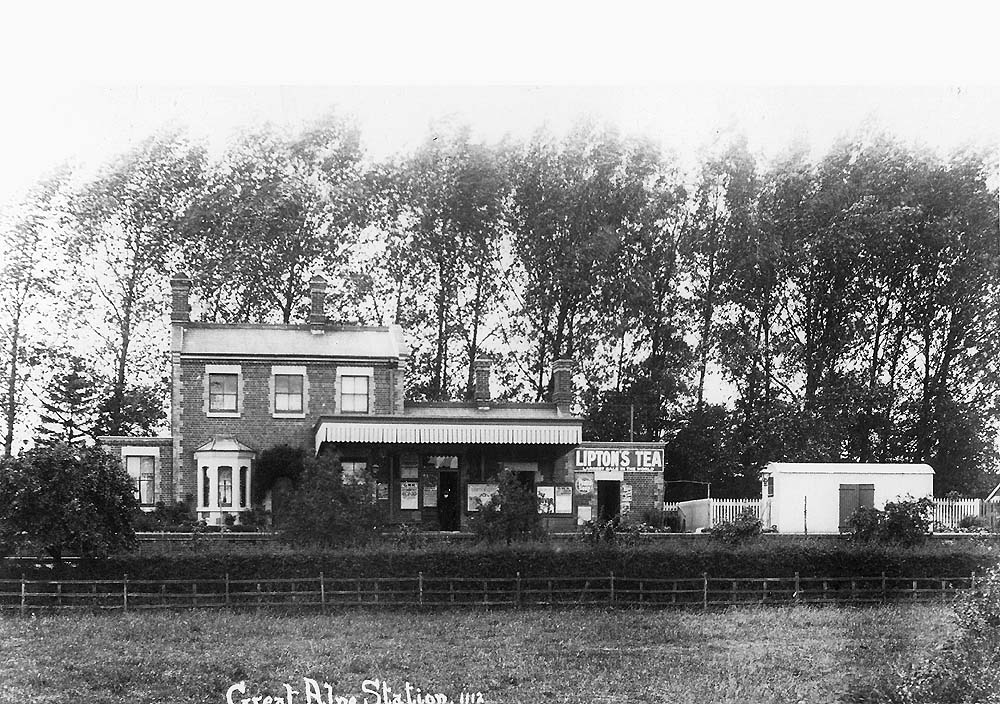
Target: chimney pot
(180, 291)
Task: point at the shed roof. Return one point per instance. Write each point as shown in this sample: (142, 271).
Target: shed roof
(293, 341)
(845, 468)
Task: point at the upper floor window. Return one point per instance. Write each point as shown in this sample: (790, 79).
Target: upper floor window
(141, 470)
(222, 392)
(354, 394)
(288, 393)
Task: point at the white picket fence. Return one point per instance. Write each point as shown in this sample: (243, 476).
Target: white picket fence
(948, 513)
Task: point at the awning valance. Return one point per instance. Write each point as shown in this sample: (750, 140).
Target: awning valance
(443, 433)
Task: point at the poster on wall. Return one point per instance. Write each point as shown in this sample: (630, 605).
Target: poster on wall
(430, 487)
(480, 493)
(564, 499)
(585, 483)
(382, 491)
(583, 514)
(546, 499)
(408, 498)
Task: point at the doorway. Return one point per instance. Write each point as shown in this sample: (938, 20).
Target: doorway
(608, 499)
(853, 497)
(447, 508)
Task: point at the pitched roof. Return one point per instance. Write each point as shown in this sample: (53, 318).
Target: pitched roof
(211, 340)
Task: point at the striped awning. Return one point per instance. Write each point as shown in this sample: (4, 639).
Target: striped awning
(444, 433)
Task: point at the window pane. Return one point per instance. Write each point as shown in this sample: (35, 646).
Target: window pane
(353, 471)
(243, 487)
(225, 486)
(354, 394)
(288, 393)
(141, 470)
(222, 392)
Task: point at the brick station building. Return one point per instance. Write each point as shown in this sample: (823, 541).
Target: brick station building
(239, 389)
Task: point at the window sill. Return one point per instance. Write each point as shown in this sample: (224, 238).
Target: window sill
(278, 414)
(223, 414)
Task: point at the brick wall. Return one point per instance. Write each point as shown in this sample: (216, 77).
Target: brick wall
(257, 427)
(647, 489)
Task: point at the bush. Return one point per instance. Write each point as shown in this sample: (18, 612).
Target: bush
(326, 510)
(274, 463)
(775, 556)
(745, 528)
(512, 514)
(906, 522)
(165, 517)
(66, 498)
(974, 524)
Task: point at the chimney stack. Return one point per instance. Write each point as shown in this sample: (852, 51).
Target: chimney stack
(317, 295)
(481, 382)
(562, 385)
(180, 291)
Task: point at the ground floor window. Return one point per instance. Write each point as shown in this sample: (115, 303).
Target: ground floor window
(353, 471)
(225, 487)
(141, 470)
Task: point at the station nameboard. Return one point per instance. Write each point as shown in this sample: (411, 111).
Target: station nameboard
(618, 458)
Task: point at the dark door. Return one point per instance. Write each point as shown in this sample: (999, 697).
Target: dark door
(608, 500)
(853, 497)
(448, 500)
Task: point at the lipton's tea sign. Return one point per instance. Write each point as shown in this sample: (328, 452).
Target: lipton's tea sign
(633, 458)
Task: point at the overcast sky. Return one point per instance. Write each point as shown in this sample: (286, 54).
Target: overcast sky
(84, 81)
(91, 124)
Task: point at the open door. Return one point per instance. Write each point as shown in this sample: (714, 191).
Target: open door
(447, 508)
(608, 499)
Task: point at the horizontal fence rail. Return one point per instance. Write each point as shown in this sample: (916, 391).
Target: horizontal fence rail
(322, 593)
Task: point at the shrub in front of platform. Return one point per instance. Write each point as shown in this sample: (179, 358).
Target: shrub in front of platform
(685, 560)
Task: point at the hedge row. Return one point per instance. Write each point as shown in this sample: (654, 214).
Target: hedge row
(538, 560)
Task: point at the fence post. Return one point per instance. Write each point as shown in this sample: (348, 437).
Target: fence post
(125, 592)
(704, 590)
(420, 588)
(883, 586)
(798, 585)
(973, 584)
(322, 594)
(518, 602)
(227, 589)
(24, 595)
(611, 593)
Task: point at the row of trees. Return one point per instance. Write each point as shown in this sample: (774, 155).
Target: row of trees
(839, 308)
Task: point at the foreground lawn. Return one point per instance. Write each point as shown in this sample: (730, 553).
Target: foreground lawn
(791, 654)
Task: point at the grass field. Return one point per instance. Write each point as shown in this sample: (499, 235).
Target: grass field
(793, 654)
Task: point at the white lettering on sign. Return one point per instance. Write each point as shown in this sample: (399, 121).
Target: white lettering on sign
(631, 458)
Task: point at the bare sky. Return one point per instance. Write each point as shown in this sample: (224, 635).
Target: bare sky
(89, 124)
(780, 70)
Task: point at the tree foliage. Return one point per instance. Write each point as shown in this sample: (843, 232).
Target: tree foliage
(511, 514)
(64, 498)
(325, 509)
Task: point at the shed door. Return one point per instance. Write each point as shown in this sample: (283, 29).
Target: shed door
(853, 497)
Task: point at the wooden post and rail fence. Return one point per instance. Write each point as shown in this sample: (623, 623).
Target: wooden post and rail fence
(322, 593)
